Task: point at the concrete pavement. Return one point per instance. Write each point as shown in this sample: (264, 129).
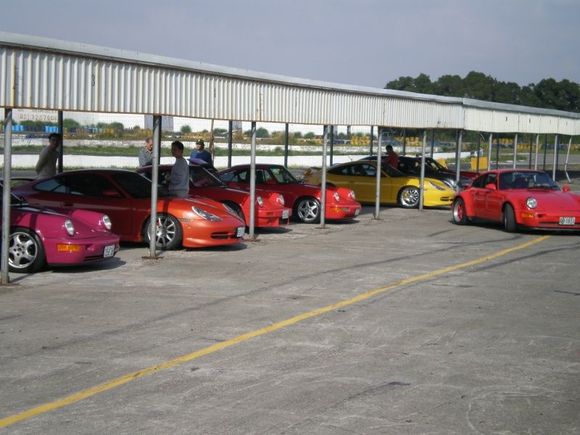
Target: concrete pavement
(480, 348)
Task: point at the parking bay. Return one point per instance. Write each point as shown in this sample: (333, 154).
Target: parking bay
(488, 347)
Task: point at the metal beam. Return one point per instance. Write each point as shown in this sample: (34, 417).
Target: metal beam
(372, 140)
(567, 158)
(6, 194)
(331, 144)
(537, 151)
(379, 174)
(422, 180)
(432, 142)
(61, 147)
(230, 142)
(515, 151)
(252, 234)
(555, 162)
(489, 151)
(154, 184)
(323, 181)
(458, 157)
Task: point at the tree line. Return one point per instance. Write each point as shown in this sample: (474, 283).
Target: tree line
(546, 94)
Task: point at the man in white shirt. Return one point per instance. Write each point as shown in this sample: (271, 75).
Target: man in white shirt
(179, 177)
(46, 165)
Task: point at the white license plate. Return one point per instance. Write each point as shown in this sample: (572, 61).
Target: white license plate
(109, 251)
(285, 214)
(240, 231)
(567, 220)
(357, 212)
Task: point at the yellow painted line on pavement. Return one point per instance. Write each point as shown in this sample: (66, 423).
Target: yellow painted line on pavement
(117, 382)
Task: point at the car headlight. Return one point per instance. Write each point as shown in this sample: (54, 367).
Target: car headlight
(436, 186)
(107, 222)
(351, 194)
(70, 228)
(531, 203)
(280, 199)
(260, 201)
(336, 196)
(205, 215)
(452, 184)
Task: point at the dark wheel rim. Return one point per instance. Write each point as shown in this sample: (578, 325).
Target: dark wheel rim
(459, 211)
(23, 250)
(308, 210)
(165, 231)
(410, 197)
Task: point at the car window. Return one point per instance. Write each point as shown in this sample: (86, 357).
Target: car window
(341, 170)
(226, 177)
(56, 184)
(478, 182)
(283, 175)
(88, 184)
(490, 179)
(134, 184)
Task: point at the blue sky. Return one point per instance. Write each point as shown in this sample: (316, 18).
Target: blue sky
(360, 42)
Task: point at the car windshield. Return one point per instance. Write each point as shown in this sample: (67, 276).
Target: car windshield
(526, 180)
(283, 175)
(435, 165)
(199, 177)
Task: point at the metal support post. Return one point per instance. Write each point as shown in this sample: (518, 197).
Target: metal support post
(545, 151)
(379, 173)
(515, 151)
(422, 182)
(323, 181)
(286, 141)
(496, 153)
(6, 194)
(61, 148)
(230, 142)
(489, 151)
(458, 157)
(371, 141)
(478, 152)
(154, 184)
(555, 162)
(537, 151)
(253, 183)
(432, 142)
(404, 142)
(530, 154)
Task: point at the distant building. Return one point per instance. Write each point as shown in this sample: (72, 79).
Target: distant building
(166, 123)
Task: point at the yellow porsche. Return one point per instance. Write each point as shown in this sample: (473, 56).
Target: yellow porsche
(396, 187)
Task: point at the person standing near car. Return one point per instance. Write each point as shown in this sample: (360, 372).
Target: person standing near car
(146, 153)
(201, 153)
(392, 158)
(46, 165)
(179, 177)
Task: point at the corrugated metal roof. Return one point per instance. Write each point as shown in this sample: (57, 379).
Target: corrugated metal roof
(40, 73)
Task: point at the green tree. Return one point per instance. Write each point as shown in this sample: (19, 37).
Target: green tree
(309, 135)
(185, 129)
(69, 124)
(262, 133)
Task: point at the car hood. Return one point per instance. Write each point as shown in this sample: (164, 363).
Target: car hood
(552, 199)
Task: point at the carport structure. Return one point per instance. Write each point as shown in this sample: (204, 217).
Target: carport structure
(40, 73)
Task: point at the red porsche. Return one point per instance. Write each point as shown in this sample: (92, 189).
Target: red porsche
(270, 210)
(125, 197)
(518, 198)
(303, 199)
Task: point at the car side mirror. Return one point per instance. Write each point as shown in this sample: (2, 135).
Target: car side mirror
(566, 188)
(490, 186)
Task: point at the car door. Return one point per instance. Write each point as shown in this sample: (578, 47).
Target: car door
(96, 192)
(484, 197)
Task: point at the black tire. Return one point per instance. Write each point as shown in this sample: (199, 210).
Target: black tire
(509, 219)
(307, 210)
(169, 234)
(408, 197)
(25, 251)
(458, 213)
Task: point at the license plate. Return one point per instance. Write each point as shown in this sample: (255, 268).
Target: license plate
(109, 251)
(357, 212)
(240, 231)
(567, 220)
(285, 214)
